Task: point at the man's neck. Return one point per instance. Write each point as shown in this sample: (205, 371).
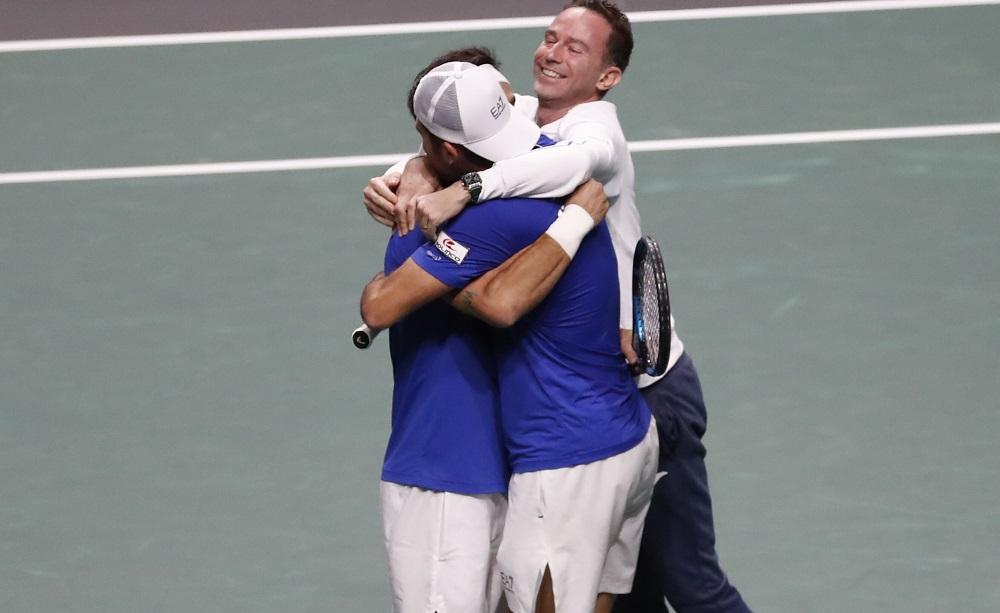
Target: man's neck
(549, 111)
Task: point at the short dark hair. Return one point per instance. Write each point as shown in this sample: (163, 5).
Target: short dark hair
(620, 42)
(472, 55)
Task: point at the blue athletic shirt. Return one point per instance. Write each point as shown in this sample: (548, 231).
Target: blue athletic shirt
(445, 401)
(566, 396)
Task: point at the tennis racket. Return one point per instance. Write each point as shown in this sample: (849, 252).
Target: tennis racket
(363, 336)
(650, 308)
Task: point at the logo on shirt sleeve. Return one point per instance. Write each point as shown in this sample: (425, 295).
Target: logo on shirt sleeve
(454, 250)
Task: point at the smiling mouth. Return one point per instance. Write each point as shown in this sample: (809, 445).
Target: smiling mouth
(549, 73)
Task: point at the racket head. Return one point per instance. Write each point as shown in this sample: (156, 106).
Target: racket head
(639, 334)
(650, 308)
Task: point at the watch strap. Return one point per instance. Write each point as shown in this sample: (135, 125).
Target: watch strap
(474, 184)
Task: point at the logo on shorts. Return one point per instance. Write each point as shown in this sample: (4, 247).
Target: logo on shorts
(455, 251)
(506, 581)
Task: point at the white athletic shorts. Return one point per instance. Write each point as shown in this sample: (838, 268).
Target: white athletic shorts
(442, 549)
(584, 522)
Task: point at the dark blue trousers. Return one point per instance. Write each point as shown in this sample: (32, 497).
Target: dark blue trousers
(677, 559)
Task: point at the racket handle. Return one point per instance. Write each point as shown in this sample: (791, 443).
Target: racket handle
(363, 336)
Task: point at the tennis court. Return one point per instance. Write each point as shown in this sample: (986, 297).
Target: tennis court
(184, 425)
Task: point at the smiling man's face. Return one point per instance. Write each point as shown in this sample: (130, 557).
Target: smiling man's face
(570, 61)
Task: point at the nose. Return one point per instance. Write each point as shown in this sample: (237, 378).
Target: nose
(554, 54)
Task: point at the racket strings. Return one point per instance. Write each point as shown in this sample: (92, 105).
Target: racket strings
(651, 311)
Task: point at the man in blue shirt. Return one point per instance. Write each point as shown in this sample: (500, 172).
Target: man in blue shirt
(581, 442)
(445, 473)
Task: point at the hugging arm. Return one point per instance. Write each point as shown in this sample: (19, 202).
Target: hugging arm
(505, 294)
(546, 172)
(499, 296)
(388, 298)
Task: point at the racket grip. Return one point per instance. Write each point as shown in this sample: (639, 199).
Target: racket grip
(363, 336)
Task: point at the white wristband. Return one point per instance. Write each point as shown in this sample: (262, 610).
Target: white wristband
(569, 229)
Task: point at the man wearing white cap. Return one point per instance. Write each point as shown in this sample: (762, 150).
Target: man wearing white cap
(580, 440)
(445, 471)
(444, 475)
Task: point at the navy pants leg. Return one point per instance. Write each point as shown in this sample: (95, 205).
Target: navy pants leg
(677, 559)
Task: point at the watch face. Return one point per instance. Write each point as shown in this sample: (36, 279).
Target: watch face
(473, 183)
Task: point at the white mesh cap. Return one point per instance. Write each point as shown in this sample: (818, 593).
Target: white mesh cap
(499, 76)
(463, 104)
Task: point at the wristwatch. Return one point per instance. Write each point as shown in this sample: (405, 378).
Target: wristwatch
(474, 185)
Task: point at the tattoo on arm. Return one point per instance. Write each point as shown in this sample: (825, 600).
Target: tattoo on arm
(465, 303)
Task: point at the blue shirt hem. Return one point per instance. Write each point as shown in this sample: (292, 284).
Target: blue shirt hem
(442, 485)
(526, 466)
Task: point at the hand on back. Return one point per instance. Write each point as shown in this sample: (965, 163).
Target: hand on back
(591, 197)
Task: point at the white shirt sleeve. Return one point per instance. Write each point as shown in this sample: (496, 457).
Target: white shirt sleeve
(401, 164)
(586, 151)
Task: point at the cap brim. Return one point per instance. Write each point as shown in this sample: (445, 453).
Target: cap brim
(499, 76)
(518, 137)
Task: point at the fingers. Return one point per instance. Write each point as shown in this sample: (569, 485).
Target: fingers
(416, 180)
(435, 209)
(380, 217)
(425, 212)
(411, 214)
(631, 357)
(588, 190)
(424, 218)
(379, 197)
(399, 215)
(380, 211)
(590, 195)
(405, 215)
(383, 189)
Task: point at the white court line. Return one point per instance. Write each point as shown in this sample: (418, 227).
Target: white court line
(382, 161)
(469, 25)
(800, 138)
(186, 170)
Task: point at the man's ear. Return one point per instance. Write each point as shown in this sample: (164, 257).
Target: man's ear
(611, 76)
(508, 91)
(451, 152)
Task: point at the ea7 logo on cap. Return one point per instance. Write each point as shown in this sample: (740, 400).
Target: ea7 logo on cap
(497, 109)
(455, 251)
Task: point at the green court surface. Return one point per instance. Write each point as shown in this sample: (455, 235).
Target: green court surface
(184, 425)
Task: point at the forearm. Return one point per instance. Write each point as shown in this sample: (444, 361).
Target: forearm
(400, 166)
(387, 299)
(503, 295)
(546, 172)
(542, 173)
(375, 311)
